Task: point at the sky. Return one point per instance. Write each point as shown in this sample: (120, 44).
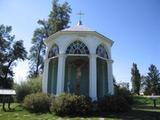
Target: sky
(133, 25)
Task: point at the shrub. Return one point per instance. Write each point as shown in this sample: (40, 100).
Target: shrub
(37, 102)
(113, 104)
(33, 85)
(22, 90)
(125, 93)
(69, 104)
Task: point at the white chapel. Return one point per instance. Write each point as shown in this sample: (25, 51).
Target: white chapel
(78, 60)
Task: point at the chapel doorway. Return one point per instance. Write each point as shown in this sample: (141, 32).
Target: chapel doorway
(77, 75)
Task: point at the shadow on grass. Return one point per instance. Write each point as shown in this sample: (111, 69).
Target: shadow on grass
(141, 114)
(138, 113)
(148, 107)
(130, 115)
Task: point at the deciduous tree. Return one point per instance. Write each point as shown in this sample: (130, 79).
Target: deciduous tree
(10, 52)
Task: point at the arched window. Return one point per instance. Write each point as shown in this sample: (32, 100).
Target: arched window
(101, 51)
(77, 47)
(54, 51)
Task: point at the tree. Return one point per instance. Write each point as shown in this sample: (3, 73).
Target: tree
(123, 85)
(135, 79)
(152, 81)
(59, 18)
(37, 52)
(10, 52)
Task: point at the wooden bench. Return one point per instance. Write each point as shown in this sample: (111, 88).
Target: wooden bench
(6, 96)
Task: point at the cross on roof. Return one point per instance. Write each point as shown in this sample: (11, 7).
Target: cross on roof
(80, 15)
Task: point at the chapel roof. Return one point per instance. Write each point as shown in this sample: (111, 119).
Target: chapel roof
(78, 27)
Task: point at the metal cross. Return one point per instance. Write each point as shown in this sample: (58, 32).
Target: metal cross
(80, 15)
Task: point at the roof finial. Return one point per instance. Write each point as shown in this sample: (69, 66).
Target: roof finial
(80, 17)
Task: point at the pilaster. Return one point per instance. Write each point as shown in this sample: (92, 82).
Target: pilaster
(93, 77)
(45, 76)
(110, 77)
(61, 73)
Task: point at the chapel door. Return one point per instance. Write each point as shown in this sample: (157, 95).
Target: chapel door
(77, 75)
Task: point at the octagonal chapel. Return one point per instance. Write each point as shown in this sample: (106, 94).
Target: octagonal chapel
(78, 60)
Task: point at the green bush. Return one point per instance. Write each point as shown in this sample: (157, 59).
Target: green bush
(69, 104)
(113, 104)
(33, 85)
(37, 102)
(22, 90)
(125, 93)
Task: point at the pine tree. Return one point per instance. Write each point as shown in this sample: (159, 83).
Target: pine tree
(152, 81)
(59, 18)
(37, 52)
(135, 79)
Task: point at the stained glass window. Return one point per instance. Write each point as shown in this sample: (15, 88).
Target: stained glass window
(77, 47)
(101, 51)
(54, 51)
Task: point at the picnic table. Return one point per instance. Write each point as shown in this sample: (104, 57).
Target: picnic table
(6, 96)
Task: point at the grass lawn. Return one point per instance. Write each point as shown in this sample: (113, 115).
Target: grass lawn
(142, 110)
(21, 114)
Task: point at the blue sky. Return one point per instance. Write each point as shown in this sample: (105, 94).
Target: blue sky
(134, 26)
